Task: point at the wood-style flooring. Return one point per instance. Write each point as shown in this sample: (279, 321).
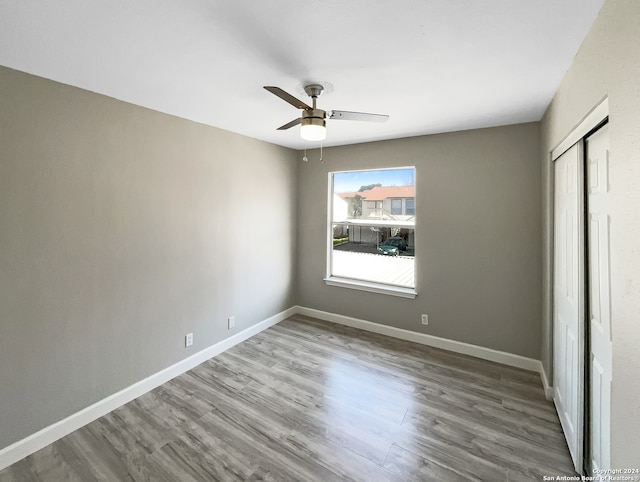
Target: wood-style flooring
(307, 401)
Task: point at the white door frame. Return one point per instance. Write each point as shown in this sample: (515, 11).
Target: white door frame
(592, 120)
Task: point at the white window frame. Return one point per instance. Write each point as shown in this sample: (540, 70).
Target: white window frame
(355, 284)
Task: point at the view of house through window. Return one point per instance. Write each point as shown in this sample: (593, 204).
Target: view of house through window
(372, 226)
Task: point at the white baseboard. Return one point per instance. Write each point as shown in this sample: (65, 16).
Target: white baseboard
(424, 339)
(22, 448)
(548, 389)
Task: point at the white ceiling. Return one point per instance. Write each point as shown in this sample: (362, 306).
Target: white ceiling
(432, 65)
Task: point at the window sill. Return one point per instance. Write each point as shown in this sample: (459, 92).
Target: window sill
(371, 287)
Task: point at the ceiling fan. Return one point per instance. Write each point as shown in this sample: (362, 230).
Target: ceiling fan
(313, 122)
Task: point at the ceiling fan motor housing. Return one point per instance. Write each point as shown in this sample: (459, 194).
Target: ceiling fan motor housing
(314, 117)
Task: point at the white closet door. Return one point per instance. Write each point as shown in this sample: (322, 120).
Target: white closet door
(599, 209)
(568, 310)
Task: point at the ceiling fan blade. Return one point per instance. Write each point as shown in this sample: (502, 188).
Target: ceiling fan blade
(357, 116)
(289, 125)
(297, 103)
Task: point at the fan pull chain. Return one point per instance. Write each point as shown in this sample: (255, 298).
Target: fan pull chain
(306, 159)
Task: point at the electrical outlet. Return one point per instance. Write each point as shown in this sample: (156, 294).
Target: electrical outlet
(231, 322)
(425, 319)
(188, 339)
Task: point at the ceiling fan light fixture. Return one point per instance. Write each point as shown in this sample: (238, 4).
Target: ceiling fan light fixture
(313, 129)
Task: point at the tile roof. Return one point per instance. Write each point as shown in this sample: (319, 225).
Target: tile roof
(348, 195)
(379, 193)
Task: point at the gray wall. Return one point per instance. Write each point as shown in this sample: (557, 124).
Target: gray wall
(122, 229)
(478, 231)
(607, 65)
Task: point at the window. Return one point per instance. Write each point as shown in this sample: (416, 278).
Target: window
(410, 206)
(371, 243)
